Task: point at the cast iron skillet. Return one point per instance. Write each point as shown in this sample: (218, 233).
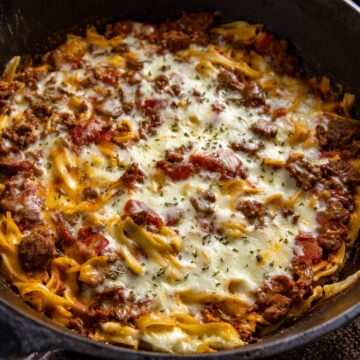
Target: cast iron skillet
(327, 35)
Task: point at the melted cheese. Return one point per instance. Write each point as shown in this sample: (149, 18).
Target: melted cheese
(229, 265)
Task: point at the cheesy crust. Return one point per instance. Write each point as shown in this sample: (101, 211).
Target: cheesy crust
(178, 188)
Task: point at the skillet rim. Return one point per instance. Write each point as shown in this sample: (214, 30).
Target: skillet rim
(251, 351)
(256, 350)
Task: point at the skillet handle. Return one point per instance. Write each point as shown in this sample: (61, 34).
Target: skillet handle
(20, 336)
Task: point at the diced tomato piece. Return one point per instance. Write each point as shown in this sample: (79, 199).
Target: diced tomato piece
(278, 112)
(310, 248)
(63, 231)
(110, 77)
(173, 217)
(93, 130)
(217, 108)
(105, 136)
(152, 107)
(208, 162)
(90, 243)
(84, 232)
(78, 64)
(176, 172)
(328, 154)
(224, 162)
(142, 214)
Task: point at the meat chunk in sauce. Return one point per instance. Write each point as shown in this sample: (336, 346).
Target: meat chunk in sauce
(192, 23)
(175, 40)
(330, 240)
(91, 243)
(309, 248)
(276, 306)
(33, 75)
(190, 28)
(7, 92)
(133, 64)
(177, 171)
(203, 203)
(305, 174)
(253, 210)
(228, 80)
(40, 107)
(303, 275)
(340, 135)
(117, 305)
(90, 193)
(253, 95)
(22, 132)
(340, 179)
(122, 28)
(334, 215)
(344, 171)
(22, 199)
(36, 250)
(225, 162)
(14, 163)
(64, 233)
(246, 148)
(177, 154)
(161, 81)
(142, 214)
(274, 298)
(108, 75)
(173, 166)
(332, 225)
(264, 128)
(93, 130)
(277, 49)
(151, 109)
(132, 175)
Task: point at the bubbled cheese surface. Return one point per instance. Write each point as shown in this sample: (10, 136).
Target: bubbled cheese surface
(211, 263)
